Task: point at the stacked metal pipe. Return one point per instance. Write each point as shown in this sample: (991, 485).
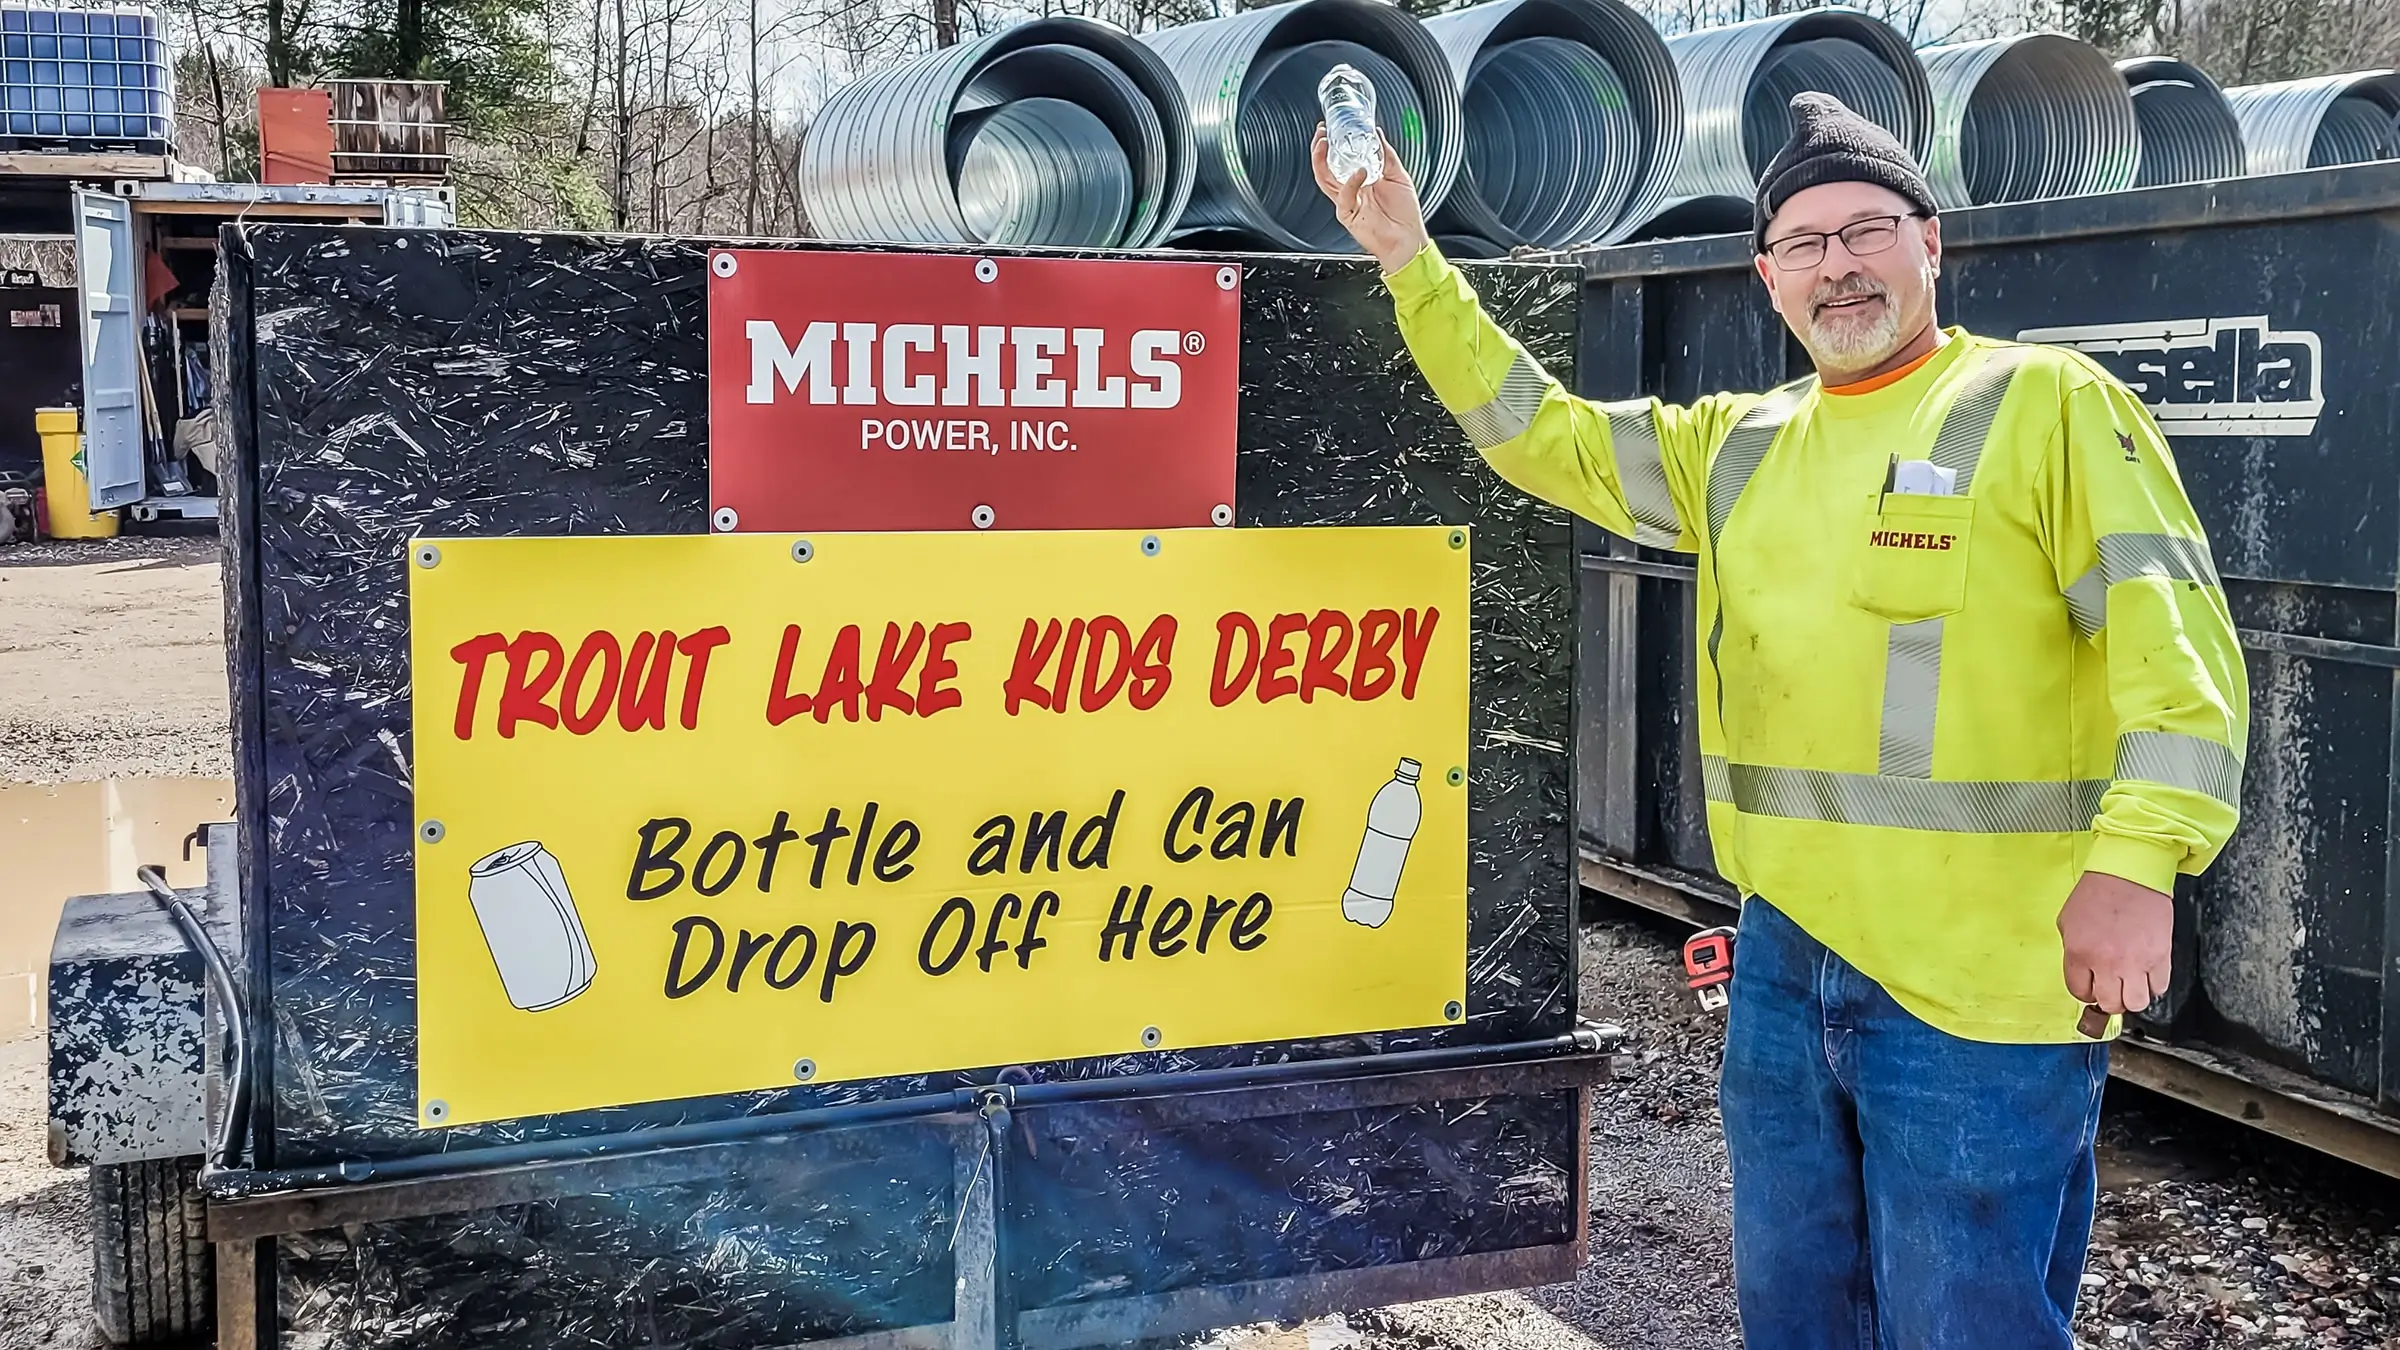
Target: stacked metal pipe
(1738, 83)
(1060, 131)
(1249, 82)
(1574, 117)
(2315, 123)
(2026, 118)
(2189, 132)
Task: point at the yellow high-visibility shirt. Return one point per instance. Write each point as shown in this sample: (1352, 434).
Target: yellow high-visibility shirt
(1923, 714)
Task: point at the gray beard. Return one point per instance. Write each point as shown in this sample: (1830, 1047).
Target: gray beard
(1846, 347)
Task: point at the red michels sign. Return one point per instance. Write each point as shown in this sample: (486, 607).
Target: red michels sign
(899, 391)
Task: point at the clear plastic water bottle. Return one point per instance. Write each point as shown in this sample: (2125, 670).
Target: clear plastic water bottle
(1352, 142)
(1392, 820)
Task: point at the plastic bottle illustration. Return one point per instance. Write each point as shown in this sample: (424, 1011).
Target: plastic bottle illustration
(1347, 98)
(1392, 820)
(530, 924)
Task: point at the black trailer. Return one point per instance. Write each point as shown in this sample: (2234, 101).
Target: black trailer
(2256, 319)
(384, 384)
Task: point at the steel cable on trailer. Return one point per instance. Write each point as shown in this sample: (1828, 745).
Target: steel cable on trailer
(2028, 118)
(1738, 83)
(2320, 122)
(1574, 120)
(2189, 132)
(1059, 131)
(1249, 83)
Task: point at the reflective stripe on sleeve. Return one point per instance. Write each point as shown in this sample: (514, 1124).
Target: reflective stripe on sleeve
(1510, 412)
(1979, 807)
(2127, 557)
(1642, 473)
(2193, 763)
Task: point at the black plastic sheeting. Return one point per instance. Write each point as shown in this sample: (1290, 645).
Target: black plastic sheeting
(388, 383)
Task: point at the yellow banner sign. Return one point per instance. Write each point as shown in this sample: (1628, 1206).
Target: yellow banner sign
(715, 813)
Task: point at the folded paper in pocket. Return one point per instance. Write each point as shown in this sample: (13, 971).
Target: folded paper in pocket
(1923, 478)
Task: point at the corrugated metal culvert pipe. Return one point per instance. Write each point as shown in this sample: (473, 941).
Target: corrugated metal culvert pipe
(2024, 118)
(1060, 131)
(2319, 122)
(1574, 119)
(1738, 83)
(1249, 82)
(2189, 132)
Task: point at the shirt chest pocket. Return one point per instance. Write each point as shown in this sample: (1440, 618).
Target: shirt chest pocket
(1912, 556)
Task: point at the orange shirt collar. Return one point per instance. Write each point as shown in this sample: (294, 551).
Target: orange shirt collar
(1887, 378)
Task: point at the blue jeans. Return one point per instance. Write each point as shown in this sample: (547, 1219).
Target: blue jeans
(1896, 1187)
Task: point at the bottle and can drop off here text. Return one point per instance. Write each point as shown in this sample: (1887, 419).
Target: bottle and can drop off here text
(1352, 143)
(530, 924)
(1392, 820)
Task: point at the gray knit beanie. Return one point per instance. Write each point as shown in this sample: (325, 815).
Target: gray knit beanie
(1831, 144)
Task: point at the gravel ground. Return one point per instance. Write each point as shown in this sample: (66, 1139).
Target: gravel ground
(112, 659)
(45, 1234)
(2208, 1235)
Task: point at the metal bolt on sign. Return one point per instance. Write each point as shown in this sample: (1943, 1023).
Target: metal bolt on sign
(802, 550)
(428, 556)
(1221, 515)
(804, 1070)
(1151, 1038)
(725, 519)
(1151, 546)
(437, 1110)
(1457, 776)
(431, 831)
(1458, 539)
(983, 517)
(723, 264)
(1228, 278)
(1453, 1010)
(986, 270)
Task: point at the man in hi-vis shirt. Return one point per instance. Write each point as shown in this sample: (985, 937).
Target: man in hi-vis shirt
(1969, 701)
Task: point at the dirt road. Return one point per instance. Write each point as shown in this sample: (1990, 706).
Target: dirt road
(2209, 1236)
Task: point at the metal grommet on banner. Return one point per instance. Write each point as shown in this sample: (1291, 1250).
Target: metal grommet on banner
(1228, 278)
(431, 832)
(1221, 515)
(437, 1110)
(804, 1070)
(1457, 777)
(802, 550)
(723, 264)
(1458, 539)
(1151, 1038)
(1151, 546)
(428, 556)
(986, 270)
(983, 517)
(725, 519)
(1453, 1010)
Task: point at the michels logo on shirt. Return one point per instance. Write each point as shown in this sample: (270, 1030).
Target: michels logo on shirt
(1904, 539)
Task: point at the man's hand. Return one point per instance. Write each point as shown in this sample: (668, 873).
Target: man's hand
(2120, 943)
(1384, 217)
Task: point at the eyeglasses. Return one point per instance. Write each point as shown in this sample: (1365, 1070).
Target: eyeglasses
(1862, 238)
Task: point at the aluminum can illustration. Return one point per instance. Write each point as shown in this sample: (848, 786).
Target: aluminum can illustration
(530, 924)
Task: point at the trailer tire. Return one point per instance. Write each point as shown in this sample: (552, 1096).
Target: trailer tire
(153, 1272)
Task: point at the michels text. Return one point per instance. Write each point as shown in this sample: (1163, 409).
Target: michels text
(978, 366)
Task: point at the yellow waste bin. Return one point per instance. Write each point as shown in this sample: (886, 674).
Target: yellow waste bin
(68, 489)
